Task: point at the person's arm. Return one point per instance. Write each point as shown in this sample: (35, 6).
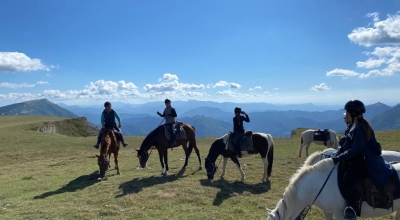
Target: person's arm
(173, 113)
(117, 117)
(358, 145)
(102, 120)
(161, 115)
(246, 118)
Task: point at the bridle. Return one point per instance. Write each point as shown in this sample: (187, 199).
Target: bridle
(215, 167)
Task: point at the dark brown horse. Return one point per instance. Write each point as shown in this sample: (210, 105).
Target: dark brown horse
(109, 145)
(263, 144)
(157, 138)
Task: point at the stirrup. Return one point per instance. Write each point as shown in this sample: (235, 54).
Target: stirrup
(351, 213)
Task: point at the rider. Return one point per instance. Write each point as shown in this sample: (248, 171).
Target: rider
(238, 128)
(108, 121)
(361, 156)
(169, 114)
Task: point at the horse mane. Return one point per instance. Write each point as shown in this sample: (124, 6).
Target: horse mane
(310, 159)
(147, 140)
(107, 143)
(290, 193)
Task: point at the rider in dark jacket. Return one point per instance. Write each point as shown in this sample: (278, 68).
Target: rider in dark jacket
(361, 154)
(238, 128)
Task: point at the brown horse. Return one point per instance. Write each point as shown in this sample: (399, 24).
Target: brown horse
(263, 144)
(109, 145)
(157, 138)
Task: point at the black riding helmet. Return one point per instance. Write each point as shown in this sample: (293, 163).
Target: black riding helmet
(238, 110)
(107, 104)
(355, 107)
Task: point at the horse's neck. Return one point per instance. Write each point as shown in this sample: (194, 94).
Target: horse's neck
(297, 196)
(215, 150)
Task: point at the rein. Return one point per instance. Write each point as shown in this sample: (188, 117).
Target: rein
(323, 185)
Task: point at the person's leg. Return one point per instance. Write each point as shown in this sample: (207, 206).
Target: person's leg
(121, 137)
(98, 139)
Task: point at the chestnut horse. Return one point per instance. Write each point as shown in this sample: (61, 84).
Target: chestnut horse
(263, 144)
(157, 138)
(109, 145)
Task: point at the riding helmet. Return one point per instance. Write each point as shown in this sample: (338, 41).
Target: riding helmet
(167, 101)
(355, 106)
(238, 110)
(107, 104)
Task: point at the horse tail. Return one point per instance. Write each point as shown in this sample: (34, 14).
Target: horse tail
(270, 157)
(194, 129)
(301, 140)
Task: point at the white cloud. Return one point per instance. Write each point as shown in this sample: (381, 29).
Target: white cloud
(41, 83)
(16, 86)
(15, 61)
(232, 85)
(231, 93)
(342, 72)
(169, 77)
(275, 88)
(370, 63)
(19, 97)
(256, 88)
(320, 87)
(382, 32)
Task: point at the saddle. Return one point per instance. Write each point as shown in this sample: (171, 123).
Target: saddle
(245, 142)
(376, 198)
(179, 131)
(321, 135)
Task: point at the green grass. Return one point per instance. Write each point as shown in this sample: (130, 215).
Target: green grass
(52, 176)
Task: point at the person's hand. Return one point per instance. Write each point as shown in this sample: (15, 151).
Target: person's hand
(158, 113)
(335, 160)
(243, 112)
(119, 125)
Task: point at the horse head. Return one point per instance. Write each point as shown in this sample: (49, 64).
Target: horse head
(143, 157)
(103, 163)
(211, 168)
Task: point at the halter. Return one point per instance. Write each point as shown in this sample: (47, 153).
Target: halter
(215, 167)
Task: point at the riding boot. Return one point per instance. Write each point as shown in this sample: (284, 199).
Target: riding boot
(349, 212)
(173, 142)
(122, 140)
(238, 151)
(98, 142)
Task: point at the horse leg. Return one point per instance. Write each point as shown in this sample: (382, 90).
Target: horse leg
(160, 155)
(301, 146)
(109, 159)
(116, 162)
(265, 176)
(224, 166)
(166, 163)
(197, 153)
(307, 146)
(236, 161)
(397, 216)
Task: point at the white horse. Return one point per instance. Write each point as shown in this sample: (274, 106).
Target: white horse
(308, 136)
(317, 156)
(304, 187)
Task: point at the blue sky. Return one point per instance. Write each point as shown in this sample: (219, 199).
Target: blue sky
(282, 52)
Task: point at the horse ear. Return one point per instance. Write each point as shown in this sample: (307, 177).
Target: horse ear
(268, 210)
(137, 150)
(97, 156)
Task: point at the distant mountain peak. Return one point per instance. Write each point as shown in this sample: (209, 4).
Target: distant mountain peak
(36, 107)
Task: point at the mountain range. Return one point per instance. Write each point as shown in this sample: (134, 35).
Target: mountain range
(215, 119)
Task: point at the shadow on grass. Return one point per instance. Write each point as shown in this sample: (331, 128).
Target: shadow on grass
(74, 185)
(228, 189)
(136, 185)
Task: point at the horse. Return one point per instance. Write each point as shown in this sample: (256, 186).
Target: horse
(109, 145)
(305, 187)
(157, 138)
(263, 144)
(308, 136)
(328, 153)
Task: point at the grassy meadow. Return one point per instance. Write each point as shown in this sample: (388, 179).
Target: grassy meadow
(52, 176)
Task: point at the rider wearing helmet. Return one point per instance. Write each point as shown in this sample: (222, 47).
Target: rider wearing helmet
(108, 121)
(361, 154)
(238, 128)
(169, 114)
